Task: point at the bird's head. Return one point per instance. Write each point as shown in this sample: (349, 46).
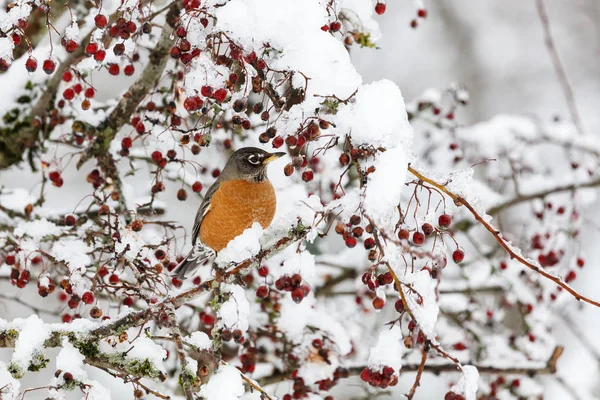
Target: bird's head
(249, 163)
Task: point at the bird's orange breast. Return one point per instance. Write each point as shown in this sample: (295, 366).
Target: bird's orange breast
(234, 207)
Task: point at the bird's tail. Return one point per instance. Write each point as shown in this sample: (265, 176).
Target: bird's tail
(198, 256)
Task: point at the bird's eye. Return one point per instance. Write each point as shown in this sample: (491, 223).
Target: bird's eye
(253, 159)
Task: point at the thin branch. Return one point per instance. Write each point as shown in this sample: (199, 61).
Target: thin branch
(559, 67)
(459, 200)
(530, 370)
(417, 382)
(540, 195)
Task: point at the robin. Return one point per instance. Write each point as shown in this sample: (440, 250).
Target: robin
(241, 196)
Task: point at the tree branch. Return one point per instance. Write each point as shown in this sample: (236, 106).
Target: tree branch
(157, 61)
(559, 67)
(541, 194)
(459, 200)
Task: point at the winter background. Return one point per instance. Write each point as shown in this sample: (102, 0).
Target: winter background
(496, 50)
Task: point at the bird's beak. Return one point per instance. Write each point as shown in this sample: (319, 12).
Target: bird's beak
(273, 157)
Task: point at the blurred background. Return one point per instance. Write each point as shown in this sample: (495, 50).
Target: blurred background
(496, 50)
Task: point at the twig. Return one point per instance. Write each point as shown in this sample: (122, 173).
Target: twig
(533, 370)
(559, 67)
(417, 382)
(459, 200)
(540, 195)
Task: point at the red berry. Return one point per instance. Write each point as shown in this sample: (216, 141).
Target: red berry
(48, 66)
(580, 262)
(427, 229)
(206, 91)
(70, 220)
(129, 70)
(571, 276)
(181, 32)
(378, 303)
(88, 298)
(156, 156)
(69, 94)
(99, 56)
(418, 238)
(126, 143)
(181, 195)
(197, 187)
(220, 95)
(369, 243)
(100, 21)
(113, 279)
(73, 302)
(128, 301)
(380, 8)
(66, 318)
(67, 76)
(71, 46)
(335, 26)
(460, 346)
(307, 175)
(263, 271)
(297, 295)
(89, 92)
(403, 234)
(399, 305)
(422, 13)
(114, 69)
(444, 221)
(190, 104)
(458, 255)
(91, 48)
(262, 292)
(365, 375)
(31, 64)
(350, 241)
(515, 383)
(277, 142)
(176, 282)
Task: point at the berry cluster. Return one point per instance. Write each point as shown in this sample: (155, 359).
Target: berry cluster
(383, 378)
(294, 285)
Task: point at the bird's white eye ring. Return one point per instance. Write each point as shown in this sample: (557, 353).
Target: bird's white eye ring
(253, 159)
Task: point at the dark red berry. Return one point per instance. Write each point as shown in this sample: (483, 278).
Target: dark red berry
(31, 64)
(458, 255)
(48, 66)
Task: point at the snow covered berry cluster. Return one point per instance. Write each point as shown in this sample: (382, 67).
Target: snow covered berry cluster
(396, 252)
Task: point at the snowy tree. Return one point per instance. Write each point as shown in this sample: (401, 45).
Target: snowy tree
(404, 242)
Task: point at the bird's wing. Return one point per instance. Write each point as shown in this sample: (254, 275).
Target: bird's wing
(203, 210)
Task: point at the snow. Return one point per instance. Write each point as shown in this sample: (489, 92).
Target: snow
(325, 62)
(74, 253)
(388, 350)
(69, 359)
(385, 185)
(37, 229)
(200, 340)
(233, 314)
(242, 247)
(32, 335)
(376, 117)
(467, 384)
(10, 386)
(426, 314)
(225, 384)
(6, 47)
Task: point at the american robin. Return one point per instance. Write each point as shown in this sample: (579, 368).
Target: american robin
(241, 196)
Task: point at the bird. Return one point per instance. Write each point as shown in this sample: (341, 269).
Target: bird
(241, 196)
